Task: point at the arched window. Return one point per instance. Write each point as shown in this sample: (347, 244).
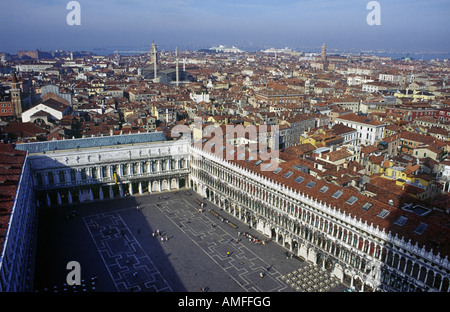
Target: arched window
(39, 179)
(73, 176)
(83, 174)
(50, 177)
(62, 177)
(94, 173)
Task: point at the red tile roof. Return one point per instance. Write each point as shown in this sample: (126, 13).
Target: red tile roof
(11, 162)
(438, 230)
(360, 119)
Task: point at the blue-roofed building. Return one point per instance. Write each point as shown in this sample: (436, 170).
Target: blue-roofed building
(76, 170)
(92, 142)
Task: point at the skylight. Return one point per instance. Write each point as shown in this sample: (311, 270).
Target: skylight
(352, 200)
(421, 228)
(401, 221)
(323, 189)
(276, 171)
(299, 179)
(337, 194)
(367, 206)
(383, 213)
(287, 175)
(310, 184)
(417, 209)
(258, 162)
(267, 166)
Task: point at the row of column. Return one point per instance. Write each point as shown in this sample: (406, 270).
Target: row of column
(105, 173)
(284, 212)
(87, 194)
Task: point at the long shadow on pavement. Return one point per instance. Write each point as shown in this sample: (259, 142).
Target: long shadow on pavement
(104, 238)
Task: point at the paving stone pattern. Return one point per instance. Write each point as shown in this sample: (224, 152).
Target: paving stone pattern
(127, 262)
(114, 240)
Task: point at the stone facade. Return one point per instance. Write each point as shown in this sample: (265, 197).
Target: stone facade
(17, 252)
(357, 253)
(69, 176)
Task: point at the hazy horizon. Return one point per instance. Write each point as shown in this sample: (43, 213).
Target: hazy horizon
(405, 25)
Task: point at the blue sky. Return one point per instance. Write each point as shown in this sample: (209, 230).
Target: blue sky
(410, 25)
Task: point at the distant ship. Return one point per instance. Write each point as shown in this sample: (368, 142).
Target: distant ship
(273, 50)
(222, 48)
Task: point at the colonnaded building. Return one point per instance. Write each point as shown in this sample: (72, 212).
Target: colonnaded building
(363, 242)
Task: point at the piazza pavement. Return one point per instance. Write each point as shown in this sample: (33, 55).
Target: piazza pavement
(118, 248)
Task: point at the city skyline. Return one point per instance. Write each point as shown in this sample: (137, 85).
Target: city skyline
(405, 25)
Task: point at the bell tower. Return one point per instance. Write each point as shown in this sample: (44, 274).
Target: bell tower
(324, 52)
(154, 60)
(153, 53)
(16, 99)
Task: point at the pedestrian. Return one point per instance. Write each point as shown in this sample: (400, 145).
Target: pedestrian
(162, 239)
(261, 275)
(228, 253)
(165, 238)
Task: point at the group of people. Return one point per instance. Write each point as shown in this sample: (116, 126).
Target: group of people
(72, 214)
(158, 233)
(219, 217)
(252, 239)
(84, 286)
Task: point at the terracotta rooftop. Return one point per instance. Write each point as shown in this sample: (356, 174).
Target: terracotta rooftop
(360, 119)
(363, 208)
(11, 162)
